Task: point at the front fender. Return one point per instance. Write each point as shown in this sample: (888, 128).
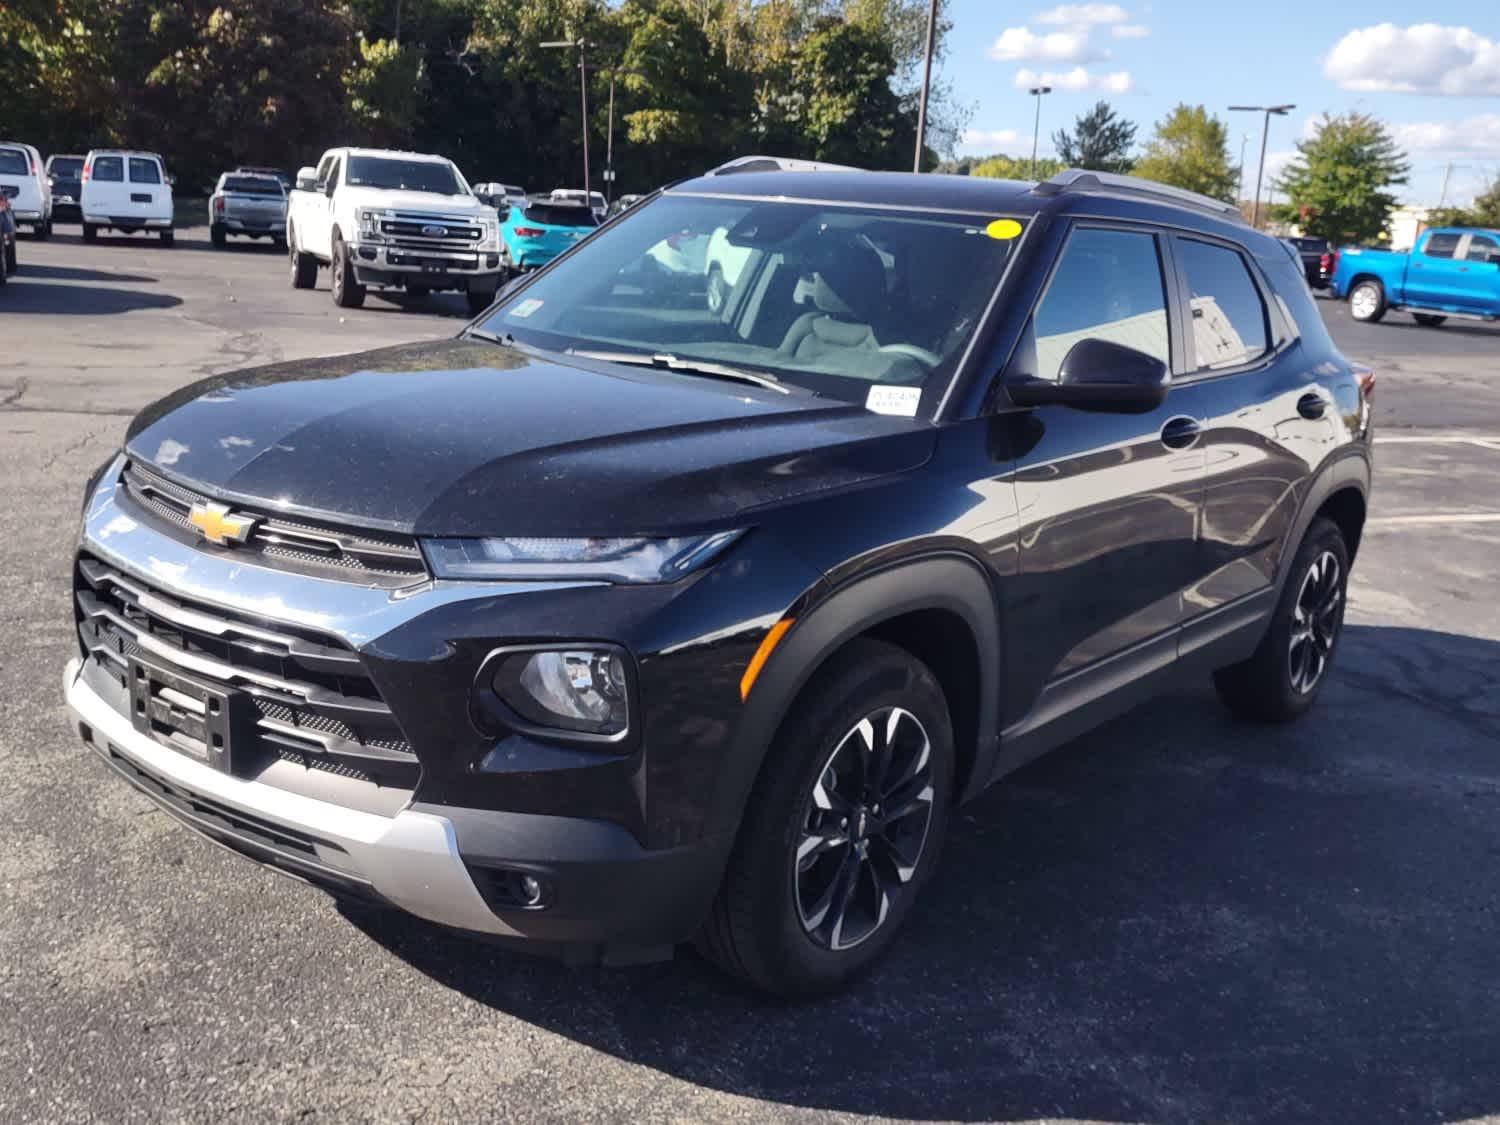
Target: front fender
(950, 581)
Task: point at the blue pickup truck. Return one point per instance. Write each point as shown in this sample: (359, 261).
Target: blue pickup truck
(1451, 271)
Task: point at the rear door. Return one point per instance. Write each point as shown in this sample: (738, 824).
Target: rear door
(1433, 277)
(1271, 420)
(106, 192)
(19, 180)
(148, 195)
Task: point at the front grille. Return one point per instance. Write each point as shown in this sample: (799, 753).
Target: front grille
(369, 557)
(310, 698)
(420, 231)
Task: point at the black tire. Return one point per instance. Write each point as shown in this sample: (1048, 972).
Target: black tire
(90, 232)
(757, 929)
(347, 293)
(4, 265)
(217, 235)
(1428, 320)
(42, 231)
(12, 266)
(479, 300)
(1367, 301)
(278, 242)
(168, 237)
(304, 267)
(1265, 688)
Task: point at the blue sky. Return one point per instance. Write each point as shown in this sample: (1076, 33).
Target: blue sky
(1434, 77)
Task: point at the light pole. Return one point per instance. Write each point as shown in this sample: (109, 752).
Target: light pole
(1036, 129)
(609, 143)
(1268, 110)
(916, 163)
(583, 46)
(1239, 192)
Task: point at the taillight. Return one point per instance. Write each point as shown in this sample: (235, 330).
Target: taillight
(1365, 377)
(1327, 262)
(529, 232)
(219, 205)
(83, 177)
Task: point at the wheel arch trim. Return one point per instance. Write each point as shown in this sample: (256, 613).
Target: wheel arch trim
(947, 581)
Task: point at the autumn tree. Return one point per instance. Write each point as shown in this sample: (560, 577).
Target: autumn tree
(1190, 149)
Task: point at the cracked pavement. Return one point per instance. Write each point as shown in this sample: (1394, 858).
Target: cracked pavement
(1177, 918)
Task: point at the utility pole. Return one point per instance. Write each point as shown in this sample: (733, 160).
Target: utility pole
(932, 11)
(1268, 110)
(398, 23)
(1036, 131)
(609, 142)
(583, 46)
(1239, 192)
(1443, 195)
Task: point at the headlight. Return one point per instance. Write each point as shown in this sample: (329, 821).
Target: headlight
(601, 560)
(369, 226)
(489, 235)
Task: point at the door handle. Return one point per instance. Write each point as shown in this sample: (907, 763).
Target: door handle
(1181, 432)
(1311, 405)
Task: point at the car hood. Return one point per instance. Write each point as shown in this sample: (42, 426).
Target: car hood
(385, 198)
(466, 437)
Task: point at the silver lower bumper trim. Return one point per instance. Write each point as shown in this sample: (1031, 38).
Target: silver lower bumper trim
(410, 859)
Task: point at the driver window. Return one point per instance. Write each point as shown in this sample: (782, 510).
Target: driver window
(1107, 286)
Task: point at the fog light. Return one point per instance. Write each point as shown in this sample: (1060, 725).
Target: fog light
(581, 693)
(531, 890)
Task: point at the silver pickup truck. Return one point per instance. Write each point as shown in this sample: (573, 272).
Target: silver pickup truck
(251, 205)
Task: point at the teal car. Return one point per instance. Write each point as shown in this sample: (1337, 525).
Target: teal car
(543, 229)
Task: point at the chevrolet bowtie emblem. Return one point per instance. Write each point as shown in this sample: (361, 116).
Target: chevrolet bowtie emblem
(219, 525)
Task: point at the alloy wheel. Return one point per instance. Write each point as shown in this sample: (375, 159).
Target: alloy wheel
(1364, 301)
(865, 827)
(1316, 616)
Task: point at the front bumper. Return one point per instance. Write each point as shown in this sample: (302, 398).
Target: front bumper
(128, 222)
(253, 226)
(383, 264)
(603, 890)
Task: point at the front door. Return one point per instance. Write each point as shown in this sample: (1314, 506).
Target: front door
(1108, 503)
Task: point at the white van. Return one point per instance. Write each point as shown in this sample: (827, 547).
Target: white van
(24, 183)
(126, 191)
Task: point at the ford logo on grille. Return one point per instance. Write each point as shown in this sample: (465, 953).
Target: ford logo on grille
(435, 231)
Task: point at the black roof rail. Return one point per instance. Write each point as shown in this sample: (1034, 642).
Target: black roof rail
(1109, 183)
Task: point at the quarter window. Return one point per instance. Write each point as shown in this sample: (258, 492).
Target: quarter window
(1440, 245)
(1482, 248)
(144, 171)
(1107, 286)
(1229, 317)
(108, 169)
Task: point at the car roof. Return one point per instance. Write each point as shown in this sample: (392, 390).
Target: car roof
(402, 154)
(93, 152)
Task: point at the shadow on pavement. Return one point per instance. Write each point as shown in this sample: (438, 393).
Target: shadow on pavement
(1176, 918)
(1489, 330)
(69, 273)
(82, 300)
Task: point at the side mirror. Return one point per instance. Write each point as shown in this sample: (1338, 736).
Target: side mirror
(307, 179)
(171, 181)
(1102, 376)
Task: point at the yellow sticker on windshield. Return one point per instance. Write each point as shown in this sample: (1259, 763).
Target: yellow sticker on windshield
(1003, 229)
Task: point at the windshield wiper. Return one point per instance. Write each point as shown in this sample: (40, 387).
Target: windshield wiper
(666, 361)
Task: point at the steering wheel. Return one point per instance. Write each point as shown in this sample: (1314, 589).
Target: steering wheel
(921, 355)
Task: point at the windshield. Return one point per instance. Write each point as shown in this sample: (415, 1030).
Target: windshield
(67, 167)
(832, 298)
(404, 175)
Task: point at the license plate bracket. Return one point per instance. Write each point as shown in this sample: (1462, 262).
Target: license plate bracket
(185, 714)
(140, 197)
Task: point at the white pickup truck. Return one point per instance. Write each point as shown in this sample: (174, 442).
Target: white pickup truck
(392, 220)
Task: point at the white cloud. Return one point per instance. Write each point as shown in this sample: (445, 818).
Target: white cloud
(1476, 137)
(1074, 15)
(1130, 31)
(1077, 79)
(1021, 44)
(990, 138)
(1425, 58)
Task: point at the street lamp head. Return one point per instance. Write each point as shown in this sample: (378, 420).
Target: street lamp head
(1282, 110)
(1038, 90)
(562, 43)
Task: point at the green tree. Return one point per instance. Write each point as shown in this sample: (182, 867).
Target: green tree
(1100, 141)
(848, 112)
(1484, 212)
(1015, 168)
(1190, 149)
(386, 88)
(1338, 185)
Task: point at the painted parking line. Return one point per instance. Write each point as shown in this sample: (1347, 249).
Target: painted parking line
(1482, 441)
(1433, 518)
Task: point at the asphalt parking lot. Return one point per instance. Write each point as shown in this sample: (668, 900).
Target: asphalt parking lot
(1175, 919)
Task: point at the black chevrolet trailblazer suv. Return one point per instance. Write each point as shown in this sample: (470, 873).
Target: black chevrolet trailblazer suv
(687, 592)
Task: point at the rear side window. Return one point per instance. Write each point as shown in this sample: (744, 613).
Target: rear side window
(66, 166)
(108, 170)
(144, 171)
(1107, 286)
(14, 162)
(1482, 248)
(1229, 317)
(253, 185)
(1441, 245)
(560, 214)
